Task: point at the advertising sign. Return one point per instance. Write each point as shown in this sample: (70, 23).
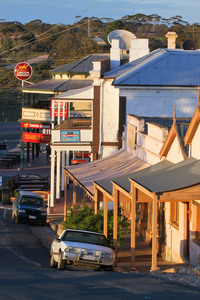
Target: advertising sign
(29, 137)
(70, 135)
(23, 71)
(38, 126)
(61, 108)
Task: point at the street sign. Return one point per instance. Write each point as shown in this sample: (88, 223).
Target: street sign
(23, 71)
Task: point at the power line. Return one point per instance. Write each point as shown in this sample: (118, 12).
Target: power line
(33, 40)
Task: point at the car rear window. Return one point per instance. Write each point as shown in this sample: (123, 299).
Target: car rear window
(85, 237)
(32, 201)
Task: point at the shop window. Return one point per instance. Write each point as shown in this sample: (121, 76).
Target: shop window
(174, 213)
(198, 224)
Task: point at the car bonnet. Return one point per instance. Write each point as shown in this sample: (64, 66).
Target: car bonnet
(87, 246)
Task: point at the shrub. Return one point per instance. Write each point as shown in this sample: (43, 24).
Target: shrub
(83, 218)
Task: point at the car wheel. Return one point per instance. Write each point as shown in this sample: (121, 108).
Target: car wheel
(61, 262)
(53, 263)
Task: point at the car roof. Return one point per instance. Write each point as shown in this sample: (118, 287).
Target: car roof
(27, 193)
(86, 231)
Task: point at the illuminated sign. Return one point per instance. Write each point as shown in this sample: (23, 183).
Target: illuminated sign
(56, 105)
(70, 135)
(29, 137)
(23, 71)
(32, 125)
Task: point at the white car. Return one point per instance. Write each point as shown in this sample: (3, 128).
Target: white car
(79, 247)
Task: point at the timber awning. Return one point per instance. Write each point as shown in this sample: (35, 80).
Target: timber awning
(179, 176)
(117, 164)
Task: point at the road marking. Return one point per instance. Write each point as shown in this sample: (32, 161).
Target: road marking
(24, 258)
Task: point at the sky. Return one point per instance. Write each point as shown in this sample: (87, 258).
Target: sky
(65, 11)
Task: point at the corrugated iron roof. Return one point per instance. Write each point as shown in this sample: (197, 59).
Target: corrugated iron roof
(119, 163)
(179, 176)
(163, 67)
(55, 85)
(83, 65)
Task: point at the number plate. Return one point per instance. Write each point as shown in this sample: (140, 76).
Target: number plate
(32, 217)
(89, 257)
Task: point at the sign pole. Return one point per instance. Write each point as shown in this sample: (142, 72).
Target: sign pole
(22, 130)
(22, 71)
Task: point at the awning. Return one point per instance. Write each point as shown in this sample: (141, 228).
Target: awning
(179, 176)
(117, 164)
(124, 182)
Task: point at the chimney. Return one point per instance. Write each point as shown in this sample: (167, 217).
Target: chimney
(139, 48)
(115, 54)
(171, 39)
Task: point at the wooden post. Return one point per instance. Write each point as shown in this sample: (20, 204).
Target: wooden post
(74, 192)
(133, 212)
(58, 175)
(154, 230)
(96, 200)
(116, 201)
(65, 200)
(105, 216)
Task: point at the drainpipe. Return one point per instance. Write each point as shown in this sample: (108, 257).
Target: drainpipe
(101, 117)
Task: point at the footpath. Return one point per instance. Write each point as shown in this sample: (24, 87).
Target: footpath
(181, 273)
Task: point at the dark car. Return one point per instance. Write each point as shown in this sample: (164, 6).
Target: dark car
(29, 207)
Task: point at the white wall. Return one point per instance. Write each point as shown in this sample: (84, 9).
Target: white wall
(175, 154)
(160, 102)
(109, 117)
(195, 148)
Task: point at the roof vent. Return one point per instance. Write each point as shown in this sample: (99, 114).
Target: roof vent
(189, 45)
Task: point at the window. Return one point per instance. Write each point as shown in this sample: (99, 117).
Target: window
(174, 213)
(198, 224)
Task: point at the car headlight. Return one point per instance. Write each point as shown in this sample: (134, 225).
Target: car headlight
(21, 210)
(106, 255)
(43, 213)
(72, 250)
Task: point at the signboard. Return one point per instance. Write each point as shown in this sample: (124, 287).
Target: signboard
(23, 71)
(29, 137)
(38, 126)
(56, 104)
(70, 135)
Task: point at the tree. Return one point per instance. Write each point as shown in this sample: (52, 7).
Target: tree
(83, 218)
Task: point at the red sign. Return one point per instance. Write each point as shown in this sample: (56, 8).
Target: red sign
(23, 71)
(61, 108)
(29, 137)
(38, 126)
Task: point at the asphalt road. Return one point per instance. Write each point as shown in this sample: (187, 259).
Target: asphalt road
(25, 273)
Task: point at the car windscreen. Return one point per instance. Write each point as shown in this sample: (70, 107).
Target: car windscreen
(32, 201)
(85, 237)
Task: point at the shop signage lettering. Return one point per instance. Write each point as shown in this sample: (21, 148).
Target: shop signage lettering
(23, 71)
(29, 137)
(38, 126)
(70, 136)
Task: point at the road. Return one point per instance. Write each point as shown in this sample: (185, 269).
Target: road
(25, 273)
(31, 61)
